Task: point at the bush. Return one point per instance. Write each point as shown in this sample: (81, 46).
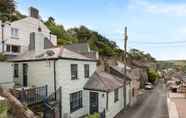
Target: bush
(2, 57)
(152, 75)
(95, 115)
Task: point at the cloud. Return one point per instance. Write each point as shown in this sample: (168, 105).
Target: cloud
(177, 9)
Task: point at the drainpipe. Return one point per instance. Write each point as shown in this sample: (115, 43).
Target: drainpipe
(107, 101)
(55, 86)
(3, 42)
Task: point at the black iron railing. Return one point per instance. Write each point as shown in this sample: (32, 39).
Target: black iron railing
(52, 105)
(32, 95)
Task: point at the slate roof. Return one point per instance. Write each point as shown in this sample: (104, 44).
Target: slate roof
(103, 81)
(134, 74)
(51, 53)
(78, 47)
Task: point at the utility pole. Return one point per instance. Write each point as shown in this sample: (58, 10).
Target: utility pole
(125, 66)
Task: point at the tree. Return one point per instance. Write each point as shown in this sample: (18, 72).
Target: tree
(152, 75)
(63, 37)
(140, 55)
(7, 8)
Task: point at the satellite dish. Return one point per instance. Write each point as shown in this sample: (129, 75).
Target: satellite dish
(50, 53)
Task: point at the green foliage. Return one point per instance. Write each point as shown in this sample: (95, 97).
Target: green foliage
(95, 115)
(3, 107)
(140, 55)
(7, 8)
(2, 57)
(58, 30)
(152, 75)
(104, 46)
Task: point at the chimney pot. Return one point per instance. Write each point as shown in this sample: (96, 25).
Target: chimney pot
(33, 12)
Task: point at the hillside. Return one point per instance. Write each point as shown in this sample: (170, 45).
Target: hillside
(175, 64)
(81, 34)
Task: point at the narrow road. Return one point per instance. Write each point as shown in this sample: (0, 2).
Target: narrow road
(154, 105)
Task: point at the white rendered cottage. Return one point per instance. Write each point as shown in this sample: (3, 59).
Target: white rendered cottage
(16, 37)
(57, 67)
(105, 93)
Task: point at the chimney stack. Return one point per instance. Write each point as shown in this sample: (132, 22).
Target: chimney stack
(33, 12)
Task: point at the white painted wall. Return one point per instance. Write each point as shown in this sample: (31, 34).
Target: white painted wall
(25, 27)
(40, 73)
(70, 86)
(6, 75)
(114, 107)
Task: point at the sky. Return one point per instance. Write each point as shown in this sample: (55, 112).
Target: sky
(157, 27)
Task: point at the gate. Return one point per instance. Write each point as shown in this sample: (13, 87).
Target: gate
(52, 105)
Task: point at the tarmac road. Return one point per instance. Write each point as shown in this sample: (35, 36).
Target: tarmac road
(154, 105)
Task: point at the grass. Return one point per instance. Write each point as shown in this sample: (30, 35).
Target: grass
(95, 115)
(3, 110)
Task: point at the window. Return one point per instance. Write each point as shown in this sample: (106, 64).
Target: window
(16, 70)
(15, 49)
(86, 70)
(8, 48)
(116, 92)
(133, 91)
(14, 32)
(75, 101)
(74, 71)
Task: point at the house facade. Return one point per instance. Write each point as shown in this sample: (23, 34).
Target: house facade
(105, 94)
(6, 72)
(58, 67)
(15, 36)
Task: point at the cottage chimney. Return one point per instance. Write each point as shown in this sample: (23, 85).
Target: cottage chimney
(33, 12)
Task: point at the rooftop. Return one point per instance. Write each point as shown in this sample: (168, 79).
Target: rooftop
(103, 81)
(51, 53)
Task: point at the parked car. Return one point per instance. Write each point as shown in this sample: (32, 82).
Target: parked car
(148, 86)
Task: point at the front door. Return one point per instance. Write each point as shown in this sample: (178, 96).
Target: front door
(93, 102)
(25, 75)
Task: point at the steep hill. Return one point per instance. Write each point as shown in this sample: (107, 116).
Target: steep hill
(98, 42)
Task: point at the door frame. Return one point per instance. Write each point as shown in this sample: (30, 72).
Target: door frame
(96, 95)
(25, 75)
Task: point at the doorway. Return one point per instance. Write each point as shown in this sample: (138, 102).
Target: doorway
(94, 102)
(25, 74)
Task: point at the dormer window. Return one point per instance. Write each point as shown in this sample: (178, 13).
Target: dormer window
(14, 32)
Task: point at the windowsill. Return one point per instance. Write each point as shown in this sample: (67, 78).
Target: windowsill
(76, 110)
(75, 79)
(12, 53)
(14, 37)
(116, 101)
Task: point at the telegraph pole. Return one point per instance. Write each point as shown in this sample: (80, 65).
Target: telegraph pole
(125, 65)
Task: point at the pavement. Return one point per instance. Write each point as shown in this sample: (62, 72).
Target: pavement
(176, 105)
(153, 105)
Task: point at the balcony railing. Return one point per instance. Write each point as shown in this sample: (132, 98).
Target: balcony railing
(30, 96)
